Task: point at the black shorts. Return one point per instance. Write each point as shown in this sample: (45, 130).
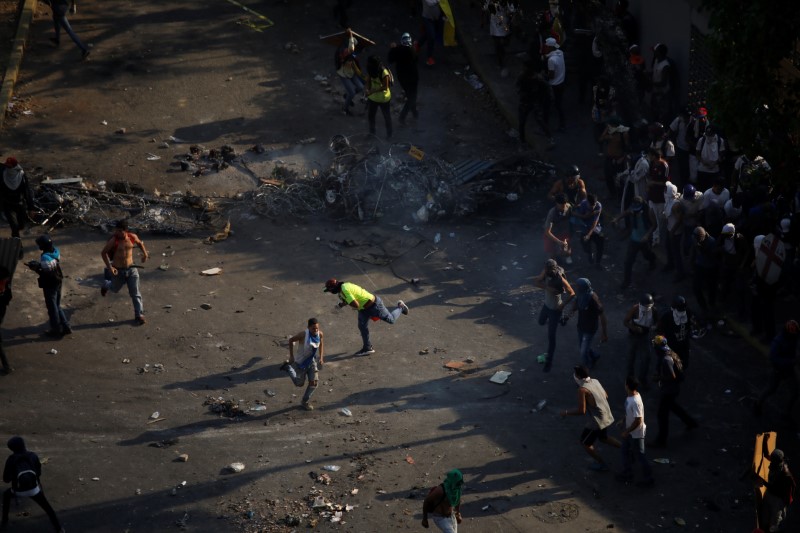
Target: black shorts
(590, 435)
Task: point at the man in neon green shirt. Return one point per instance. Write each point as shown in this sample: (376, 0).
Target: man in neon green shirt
(370, 307)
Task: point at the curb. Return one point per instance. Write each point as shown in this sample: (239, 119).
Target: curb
(508, 111)
(15, 57)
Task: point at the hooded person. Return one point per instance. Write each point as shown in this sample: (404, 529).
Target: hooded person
(675, 325)
(443, 503)
(590, 314)
(674, 229)
(640, 321)
(669, 370)
(23, 470)
(16, 197)
(404, 57)
(780, 491)
(50, 281)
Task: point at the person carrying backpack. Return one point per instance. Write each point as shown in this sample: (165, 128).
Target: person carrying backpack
(670, 376)
(23, 471)
(50, 281)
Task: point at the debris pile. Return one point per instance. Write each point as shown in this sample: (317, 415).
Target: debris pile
(362, 184)
(223, 407)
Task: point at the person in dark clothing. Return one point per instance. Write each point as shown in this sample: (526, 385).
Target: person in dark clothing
(627, 22)
(60, 9)
(340, 12)
(534, 97)
(590, 316)
(23, 471)
(780, 490)
(405, 58)
(5, 299)
(705, 263)
(50, 280)
(16, 197)
(676, 326)
(670, 370)
(639, 240)
(783, 357)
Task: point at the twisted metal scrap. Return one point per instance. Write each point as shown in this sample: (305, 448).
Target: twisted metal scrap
(61, 205)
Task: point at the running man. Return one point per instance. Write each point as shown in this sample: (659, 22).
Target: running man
(309, 359)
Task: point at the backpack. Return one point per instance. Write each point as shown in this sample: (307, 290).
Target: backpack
(26, 475)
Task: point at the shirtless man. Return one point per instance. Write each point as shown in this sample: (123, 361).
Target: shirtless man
(120, 270)
(443, 503)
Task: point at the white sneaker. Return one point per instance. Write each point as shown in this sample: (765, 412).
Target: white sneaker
(402, 305)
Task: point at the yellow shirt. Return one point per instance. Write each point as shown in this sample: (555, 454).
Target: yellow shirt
(380, 95)
(352, 292)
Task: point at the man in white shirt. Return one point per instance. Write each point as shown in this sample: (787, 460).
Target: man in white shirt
(557, 72)
(633, 436)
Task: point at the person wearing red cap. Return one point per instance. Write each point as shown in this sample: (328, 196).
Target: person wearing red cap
(16, 197)
(369, 306)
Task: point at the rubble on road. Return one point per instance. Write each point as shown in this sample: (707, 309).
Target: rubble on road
(223, 407)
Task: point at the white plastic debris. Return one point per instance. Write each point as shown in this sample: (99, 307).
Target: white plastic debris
(155, 415)
(211, 272)
(345, 411)
(236, 467)
(332, 468)
(500, 377)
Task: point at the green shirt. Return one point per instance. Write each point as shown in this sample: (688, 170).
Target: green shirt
(380, 95)
(352, 292)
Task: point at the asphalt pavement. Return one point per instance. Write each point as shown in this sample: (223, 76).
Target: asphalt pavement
(86, 403)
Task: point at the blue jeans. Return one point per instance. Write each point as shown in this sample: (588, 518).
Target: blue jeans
(588, 356)
(430, 36)
(377, 310)
(60, 21)
(550, 317)
(310, 372)
(129, 277)
(52, 299)
(633, 449)
(352, 86)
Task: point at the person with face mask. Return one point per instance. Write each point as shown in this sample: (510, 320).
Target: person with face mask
(676, 326)
(590, 315)
(443, 503)
(592, 400)
(669, 370)
(16, 197)
(640, 321)
(51, 280)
